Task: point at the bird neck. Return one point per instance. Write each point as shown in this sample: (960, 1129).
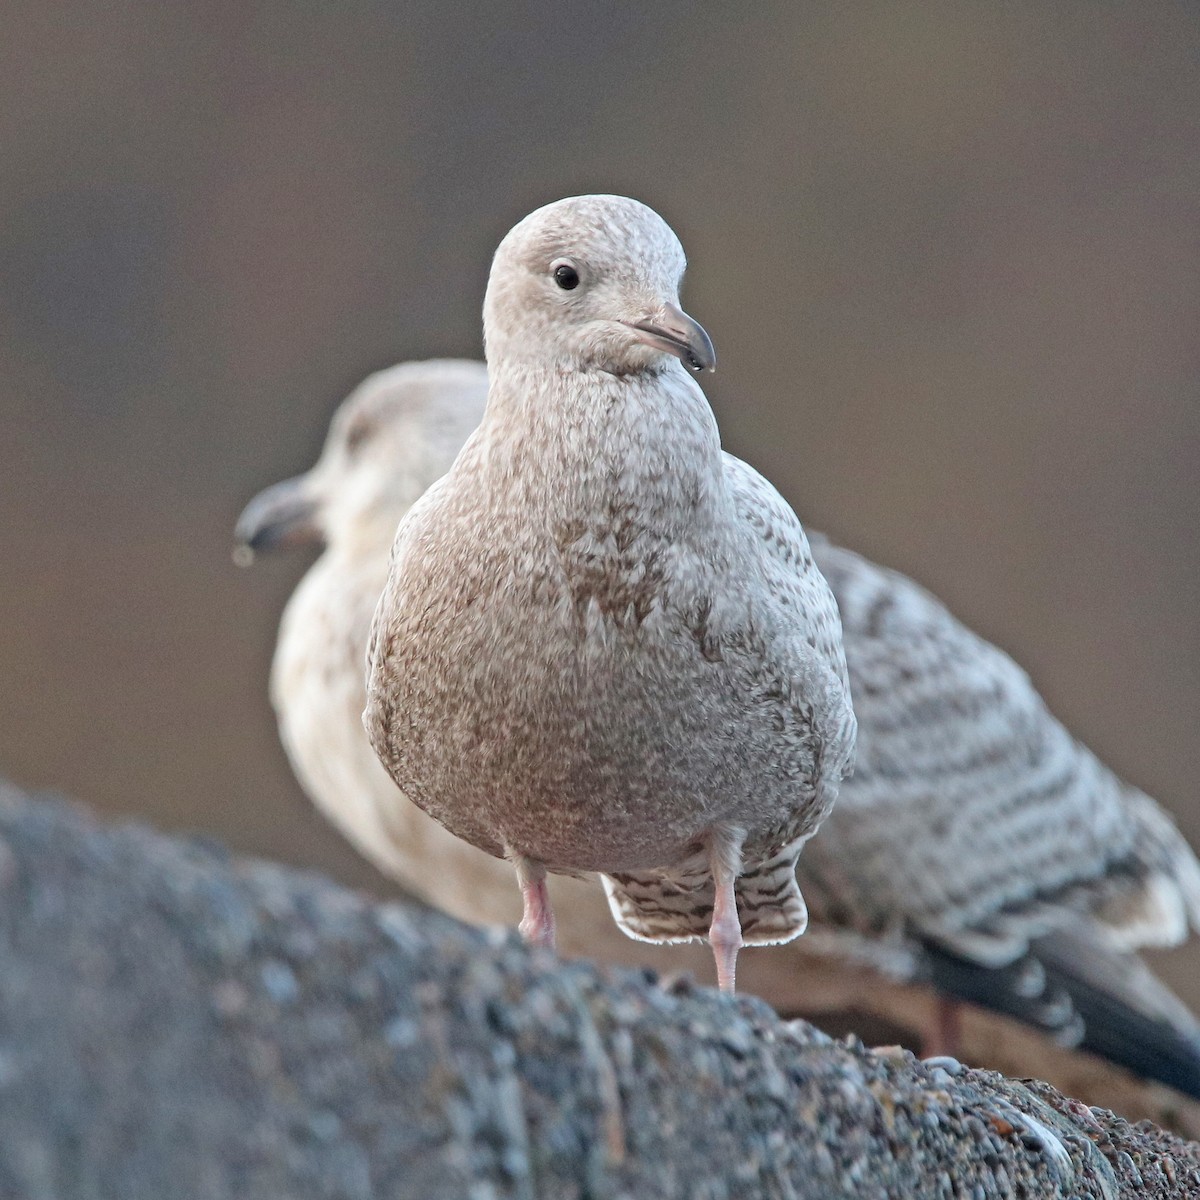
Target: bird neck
(595, 442)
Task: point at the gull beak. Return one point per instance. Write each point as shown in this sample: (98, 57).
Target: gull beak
(283, 515)
(672, 330)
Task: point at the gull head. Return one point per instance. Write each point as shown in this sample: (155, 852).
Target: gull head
(592, 283)
(393, 436)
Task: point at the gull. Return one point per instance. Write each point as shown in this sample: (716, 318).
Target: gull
(603, 645)
(1024, 878)
(392, 437)
(980, 834)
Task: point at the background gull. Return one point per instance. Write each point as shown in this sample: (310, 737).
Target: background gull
(603, 645)
(980, 870)
(986, 848)
(390, 439)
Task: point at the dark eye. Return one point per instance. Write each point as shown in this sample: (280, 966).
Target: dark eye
(358, 433)
(566, 277)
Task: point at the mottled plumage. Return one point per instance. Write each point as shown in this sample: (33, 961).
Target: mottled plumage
(973, 813)
(981, 848)
(603, 645)
(770, 907)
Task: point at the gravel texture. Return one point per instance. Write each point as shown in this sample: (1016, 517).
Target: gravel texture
(175, 1023)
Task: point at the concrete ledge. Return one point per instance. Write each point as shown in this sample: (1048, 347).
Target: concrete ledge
(177, 1024)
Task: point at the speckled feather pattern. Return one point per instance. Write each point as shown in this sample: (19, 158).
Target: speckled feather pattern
(599, 640)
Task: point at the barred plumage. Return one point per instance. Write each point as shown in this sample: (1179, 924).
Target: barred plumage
(974, 819)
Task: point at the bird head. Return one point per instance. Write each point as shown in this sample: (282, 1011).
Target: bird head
(592, 283)
(392, 437)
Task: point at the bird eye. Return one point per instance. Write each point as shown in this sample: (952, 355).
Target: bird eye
(566, 277)
(358, 433)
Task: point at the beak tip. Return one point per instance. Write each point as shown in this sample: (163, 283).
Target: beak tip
(281, 516)
(671, 330)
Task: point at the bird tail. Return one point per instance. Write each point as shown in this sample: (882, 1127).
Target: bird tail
(1160, 903)
(677, 905)
(1083, 991)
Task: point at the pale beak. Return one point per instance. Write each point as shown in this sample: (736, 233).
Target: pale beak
(282, 515)
(672, 330)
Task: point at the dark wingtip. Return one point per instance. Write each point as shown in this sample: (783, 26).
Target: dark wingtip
(1150, 1047)
(1021, 989)
(1074, 1012)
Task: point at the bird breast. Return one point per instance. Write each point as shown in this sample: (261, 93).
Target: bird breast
(570, 663)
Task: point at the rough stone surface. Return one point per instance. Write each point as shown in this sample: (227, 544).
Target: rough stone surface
(175, 1023)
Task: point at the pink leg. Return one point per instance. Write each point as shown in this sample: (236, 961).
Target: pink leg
(944, 1034)
(725, 932)
(537, 925)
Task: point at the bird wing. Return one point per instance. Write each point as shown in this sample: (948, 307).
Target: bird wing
(805, 607)
(1079, 990)
(676, 905)
(792, 576)
(974, 819)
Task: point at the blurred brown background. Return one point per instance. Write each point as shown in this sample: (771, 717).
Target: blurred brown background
(948, 254)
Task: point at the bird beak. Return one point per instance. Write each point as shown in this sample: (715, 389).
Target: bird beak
(672, 330)
(282, 515)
